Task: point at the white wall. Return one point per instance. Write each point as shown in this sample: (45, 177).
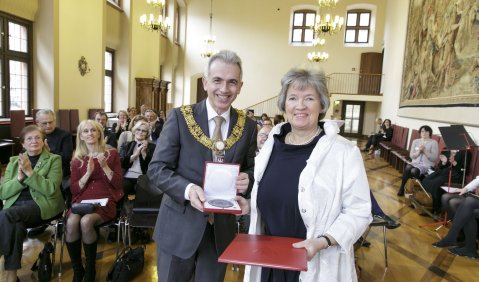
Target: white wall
(259, 32)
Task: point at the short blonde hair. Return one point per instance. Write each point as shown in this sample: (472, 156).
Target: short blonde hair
(140, 123)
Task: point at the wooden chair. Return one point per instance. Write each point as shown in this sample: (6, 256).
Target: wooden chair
(17, 123)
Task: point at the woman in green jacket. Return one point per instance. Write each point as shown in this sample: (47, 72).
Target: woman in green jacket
(31, 191)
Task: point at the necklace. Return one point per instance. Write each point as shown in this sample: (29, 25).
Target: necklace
(290, 138)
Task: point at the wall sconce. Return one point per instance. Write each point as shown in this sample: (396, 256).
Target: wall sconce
(83, 66)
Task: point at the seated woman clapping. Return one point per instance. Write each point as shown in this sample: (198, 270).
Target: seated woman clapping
(136, 155)
(463, 219)
(95, 174)
(424, 154)
(31, 190)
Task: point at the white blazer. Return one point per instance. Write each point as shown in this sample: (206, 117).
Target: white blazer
(333, 197)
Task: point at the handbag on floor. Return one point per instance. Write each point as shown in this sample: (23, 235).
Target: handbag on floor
(43, 265)
(129, 264)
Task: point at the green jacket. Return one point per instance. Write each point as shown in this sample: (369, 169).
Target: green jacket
(44, 184)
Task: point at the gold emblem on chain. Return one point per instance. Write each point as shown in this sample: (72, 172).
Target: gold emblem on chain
(203, 139)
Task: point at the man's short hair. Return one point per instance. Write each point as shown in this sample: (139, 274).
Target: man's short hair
(226, 56)
(44, 112)
(101, 114)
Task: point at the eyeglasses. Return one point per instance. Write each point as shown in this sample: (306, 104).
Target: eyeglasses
(263, 135)
(142, 130)
(33, 138)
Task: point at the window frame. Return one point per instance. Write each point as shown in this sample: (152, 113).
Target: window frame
(7, 55)
(111, 74)
(303, 27)
(357, 27)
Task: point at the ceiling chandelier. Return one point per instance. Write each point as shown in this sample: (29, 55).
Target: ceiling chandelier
(327, 23)
(210, 39)
(153, 23)
(318, 57)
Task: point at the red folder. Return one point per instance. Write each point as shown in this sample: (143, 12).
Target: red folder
(265, 251)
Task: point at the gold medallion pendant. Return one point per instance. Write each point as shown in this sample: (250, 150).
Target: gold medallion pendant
(214, 145)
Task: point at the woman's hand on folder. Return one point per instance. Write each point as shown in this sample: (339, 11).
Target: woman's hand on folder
(244, 205)
(312, 246)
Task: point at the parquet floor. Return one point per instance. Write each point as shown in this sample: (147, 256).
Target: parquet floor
(410, 254)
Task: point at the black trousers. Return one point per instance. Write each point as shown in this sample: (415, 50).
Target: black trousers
(129, 185)
(204, 263)
(464, 218)
(13, 222)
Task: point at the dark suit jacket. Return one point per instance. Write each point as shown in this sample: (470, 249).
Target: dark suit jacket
(60, 142)
(156, 130)
(179, 160)
(128, 149)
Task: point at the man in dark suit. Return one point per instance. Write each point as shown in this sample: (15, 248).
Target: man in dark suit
(110, 137)
(188, 239)
(156, 125)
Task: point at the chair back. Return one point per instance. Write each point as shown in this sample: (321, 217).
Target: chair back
(414, 135)
(17, 122)
(63, 120)
(147, 198)
(74, 120)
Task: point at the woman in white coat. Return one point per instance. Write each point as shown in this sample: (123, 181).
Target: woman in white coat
(310, 183)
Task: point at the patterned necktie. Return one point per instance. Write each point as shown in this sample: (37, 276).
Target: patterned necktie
(218, 136)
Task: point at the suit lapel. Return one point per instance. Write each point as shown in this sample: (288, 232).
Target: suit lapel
(201, 116)
(42, 160)
(233, 120)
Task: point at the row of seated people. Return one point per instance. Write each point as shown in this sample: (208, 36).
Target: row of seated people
(384, 133)
(32, 193)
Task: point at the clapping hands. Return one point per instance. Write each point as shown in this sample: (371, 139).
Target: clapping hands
(24, 167)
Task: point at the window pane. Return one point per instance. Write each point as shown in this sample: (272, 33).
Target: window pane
(351, 20)
(356, 111)
(350, 35)
(308, 35)
(310, 18)
(363, 36)
(347, 125)
(107, 94)
(108, 61)
(17, 37)
(355, 126)
(364, 19)
(298, 19)
(297, 35)
(349, 111)
(18, 85)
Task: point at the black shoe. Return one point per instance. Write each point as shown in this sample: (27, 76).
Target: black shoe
(400, 192)
(443, 244)
(391, 224)
(463, 252)
(34, 232)
(363, 242)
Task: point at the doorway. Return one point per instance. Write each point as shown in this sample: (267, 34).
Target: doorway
(353, 115)
(200, 91)
(370, 73)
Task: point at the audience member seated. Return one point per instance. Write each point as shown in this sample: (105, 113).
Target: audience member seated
(385, 134)
(155, 124)
(463, 218)
(110, 137)
(121, 125)
(58, 141)
(379, 124)
(127, 136)
(31, 190)
(131, 113)
(424, 154)
(135, 156)
(262, 137)
(95, 174)
(278, 119)
(250, 114)
(450, 161)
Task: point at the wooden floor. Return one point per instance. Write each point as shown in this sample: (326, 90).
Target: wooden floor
(410, 254)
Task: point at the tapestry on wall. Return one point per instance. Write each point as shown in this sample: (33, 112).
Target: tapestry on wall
(441, 62)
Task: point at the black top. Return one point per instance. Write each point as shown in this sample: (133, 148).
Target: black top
(278, 196)
(25, 195)
(60, 143)
(278, 189)
(110, 138)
